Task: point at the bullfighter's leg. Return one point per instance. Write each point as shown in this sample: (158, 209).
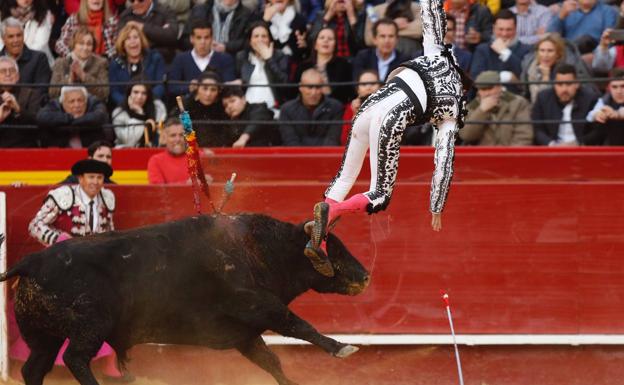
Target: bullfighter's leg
(260, 354)
(264, 311)
(41, 359)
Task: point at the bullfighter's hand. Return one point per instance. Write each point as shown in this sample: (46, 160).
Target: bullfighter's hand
(436, 221)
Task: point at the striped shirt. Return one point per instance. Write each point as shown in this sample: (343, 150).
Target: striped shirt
(537, 16)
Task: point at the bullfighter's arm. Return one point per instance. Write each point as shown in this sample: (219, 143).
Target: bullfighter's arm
(41, 227)
(443, 160)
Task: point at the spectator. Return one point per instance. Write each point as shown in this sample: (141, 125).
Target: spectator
(187, 66)
(464, 57)
(181, 8)
(340, 16)
(286, 25)
(99, 150)
(74, 120)
(75, 211)
(203, 106)
(608, 113)
(564, 102)
(72, 6)
(170, 166)
(609, 53)
(18, 106)
(384, 57)
(539, 64)
(37, 20)
(309, 9)
(473, 23)
(495, 104)
(33, 65)
(532, 20)
(504, 54)
(229, 19)
(135, 60)
(333, 68)
(238, 108)
(156, 22)
(98, 18)
(261, 65)
(311, 105)
(406, 17)
(81, 66)
(135, 120)
(368, 83)
(583, 22)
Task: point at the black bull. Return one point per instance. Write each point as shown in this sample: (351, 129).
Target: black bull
(215, 281)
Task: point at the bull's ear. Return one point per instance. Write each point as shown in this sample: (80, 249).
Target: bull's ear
(308, 227)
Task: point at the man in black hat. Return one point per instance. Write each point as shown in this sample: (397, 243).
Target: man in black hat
(77, 210)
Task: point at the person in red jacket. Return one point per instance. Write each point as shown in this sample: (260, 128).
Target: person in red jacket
(170, 165)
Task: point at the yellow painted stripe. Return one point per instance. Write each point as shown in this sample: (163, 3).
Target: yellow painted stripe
(54, 177)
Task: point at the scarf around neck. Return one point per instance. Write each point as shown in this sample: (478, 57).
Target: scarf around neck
(95, 23)
(221, 28)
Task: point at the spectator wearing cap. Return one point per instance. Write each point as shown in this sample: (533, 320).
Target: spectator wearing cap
(493, 103)
(170, 166)
(18, 106)
(248, 134)
(567, 103)
(76, 210)
(99, 150)
(75, 120)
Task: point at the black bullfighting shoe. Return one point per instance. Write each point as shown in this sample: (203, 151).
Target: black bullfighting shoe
(321, 219)
(319, 259)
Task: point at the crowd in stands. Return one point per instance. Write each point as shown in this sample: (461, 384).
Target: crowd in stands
(285, 72)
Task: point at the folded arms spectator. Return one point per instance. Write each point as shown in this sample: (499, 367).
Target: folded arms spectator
(74, 120)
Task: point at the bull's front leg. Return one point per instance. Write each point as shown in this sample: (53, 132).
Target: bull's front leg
(259, 353)
(263, 310)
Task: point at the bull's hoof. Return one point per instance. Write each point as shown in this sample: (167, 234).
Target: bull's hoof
(346, 351)
(321, 217)
(319, 260)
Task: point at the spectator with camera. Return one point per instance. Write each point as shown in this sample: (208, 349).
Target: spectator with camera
(18, 106)
(608, 112)
(495, 104)
(568, 104)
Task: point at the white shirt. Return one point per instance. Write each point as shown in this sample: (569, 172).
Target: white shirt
(383, 66)
(84, 198)
(566, 131)
(201, 62)
(258, 77)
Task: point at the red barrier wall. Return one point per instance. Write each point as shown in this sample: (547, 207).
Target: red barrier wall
(518, 254)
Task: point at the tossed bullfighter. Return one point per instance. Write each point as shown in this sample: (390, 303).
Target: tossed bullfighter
(215, 281)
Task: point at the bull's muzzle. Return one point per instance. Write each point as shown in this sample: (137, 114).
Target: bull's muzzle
(356, 288)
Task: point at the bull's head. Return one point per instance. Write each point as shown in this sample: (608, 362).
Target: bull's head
(350, 276)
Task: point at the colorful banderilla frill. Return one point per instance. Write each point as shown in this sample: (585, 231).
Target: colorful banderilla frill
(195, 169)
